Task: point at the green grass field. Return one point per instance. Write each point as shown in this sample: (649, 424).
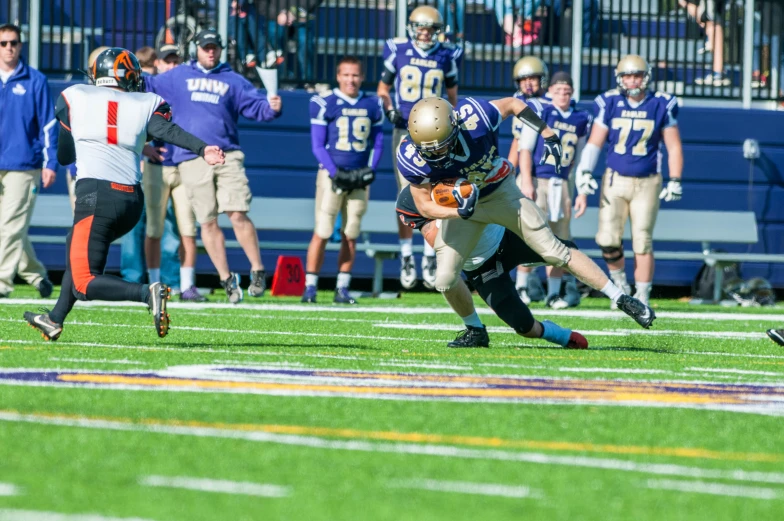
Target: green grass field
(275, 410)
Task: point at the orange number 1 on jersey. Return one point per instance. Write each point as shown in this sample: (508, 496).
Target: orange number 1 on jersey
(111, 129)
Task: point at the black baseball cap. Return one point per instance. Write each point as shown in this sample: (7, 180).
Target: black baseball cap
(207, 37)
(562, 77)
(166, 49)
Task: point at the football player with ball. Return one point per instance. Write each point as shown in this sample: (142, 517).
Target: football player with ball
(463, 143)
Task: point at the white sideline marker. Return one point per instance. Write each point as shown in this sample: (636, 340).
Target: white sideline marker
(8, 489)
(244, 488)
(464, 487)
(7, 514)
(716, 489)
(98, 361)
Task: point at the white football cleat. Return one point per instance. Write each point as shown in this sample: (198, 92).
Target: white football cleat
(429, 271)
(408, 274)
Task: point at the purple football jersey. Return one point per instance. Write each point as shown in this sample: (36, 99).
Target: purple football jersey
(419, 74)
(351, 125)
(475, 157)
(570, 127)
(635, 136)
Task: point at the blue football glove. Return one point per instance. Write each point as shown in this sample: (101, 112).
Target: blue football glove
(552, 147)
(466, 205)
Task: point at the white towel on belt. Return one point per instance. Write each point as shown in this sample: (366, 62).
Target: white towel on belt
(554, 195)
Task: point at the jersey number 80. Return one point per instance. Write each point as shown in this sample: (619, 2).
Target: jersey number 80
(415, 86)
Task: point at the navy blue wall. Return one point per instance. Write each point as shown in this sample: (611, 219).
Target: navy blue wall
(716, 177)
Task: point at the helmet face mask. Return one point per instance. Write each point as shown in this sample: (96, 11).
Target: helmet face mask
(117, 67)
(632, 65)
(424, 26)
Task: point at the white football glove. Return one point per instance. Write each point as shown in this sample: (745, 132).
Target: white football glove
(586, 184)
(673, 191)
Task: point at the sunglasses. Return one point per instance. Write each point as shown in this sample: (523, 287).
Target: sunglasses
(13, 43)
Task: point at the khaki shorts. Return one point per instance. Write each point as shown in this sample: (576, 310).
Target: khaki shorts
(159, 182)
(351, 205)
(213, 190)
(508, 207)
(397, 136)
(624, 197)
(561, 227)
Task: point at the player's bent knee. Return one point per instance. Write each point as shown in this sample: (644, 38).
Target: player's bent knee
(558, 258)
(642, 245)
(612, 253)
(446, 281)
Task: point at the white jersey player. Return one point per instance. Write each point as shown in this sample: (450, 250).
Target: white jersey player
(103, 128)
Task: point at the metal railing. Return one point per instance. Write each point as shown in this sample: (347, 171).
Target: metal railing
(685, 41)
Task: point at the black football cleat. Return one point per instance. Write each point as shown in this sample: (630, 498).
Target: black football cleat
(258, 283)
(641, 313)
(159, 295)
(49, 329)
(471, 337)
(777, 335)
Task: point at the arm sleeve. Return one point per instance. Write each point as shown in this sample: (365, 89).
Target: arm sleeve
(378, 146)
(48, 124)
(390, 67)
(318, 138)
(66, 150)
(527, 139)
(254, 105)
(161, 128)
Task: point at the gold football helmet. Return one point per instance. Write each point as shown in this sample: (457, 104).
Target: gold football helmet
(531, 66)
(632, 64)
(425, 17)
(433, 127)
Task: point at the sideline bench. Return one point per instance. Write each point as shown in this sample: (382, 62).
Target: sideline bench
(296, 215)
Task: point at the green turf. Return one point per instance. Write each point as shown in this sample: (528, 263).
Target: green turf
(368, 458)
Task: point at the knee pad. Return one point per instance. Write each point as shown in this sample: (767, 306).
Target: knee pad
(446, 281)
(612, 254)
(557, 259)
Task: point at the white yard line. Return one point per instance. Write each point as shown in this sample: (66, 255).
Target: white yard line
(425, 365)
(387, 310)
(448, 451)
(8, 489)
(464, 487)
(243, 488)
(610, 370)
(733, 371)
(37, 515)
(99, 361)
(716, 489)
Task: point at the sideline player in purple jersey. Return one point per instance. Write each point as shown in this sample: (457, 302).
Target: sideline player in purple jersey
(531, 77)
(634, 122)
(345, 129)
(417, 67)
(551, 189)
(444, 143)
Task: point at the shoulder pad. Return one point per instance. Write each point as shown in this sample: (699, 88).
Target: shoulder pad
(399, 40)
(448, 45)
(664, 95)
(612, 92)
(326, 93)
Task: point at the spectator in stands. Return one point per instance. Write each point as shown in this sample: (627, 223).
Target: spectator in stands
(207, 99)
(28, 159)
(453, 12)
(504, 12)
(347, 140)
(294, 23)
(710, 15)
(161, 182)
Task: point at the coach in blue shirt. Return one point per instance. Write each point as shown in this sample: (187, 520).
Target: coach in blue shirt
(28, 156)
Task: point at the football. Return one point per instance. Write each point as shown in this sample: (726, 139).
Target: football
(441, 193)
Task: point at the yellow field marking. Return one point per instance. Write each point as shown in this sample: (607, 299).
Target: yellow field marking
(422, 438)
(611, 394)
